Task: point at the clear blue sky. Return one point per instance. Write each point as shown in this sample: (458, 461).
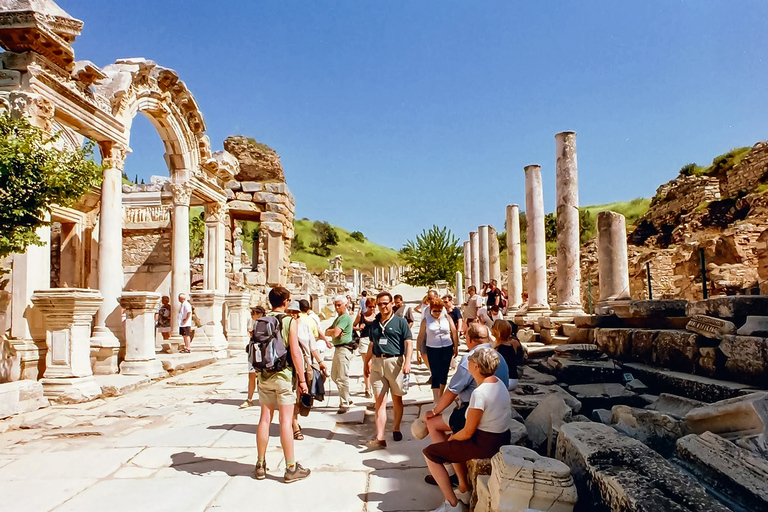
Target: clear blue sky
(391, 116)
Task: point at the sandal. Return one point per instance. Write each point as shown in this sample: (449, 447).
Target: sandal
(297, 435)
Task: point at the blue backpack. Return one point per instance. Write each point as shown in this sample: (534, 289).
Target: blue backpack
(267, 351)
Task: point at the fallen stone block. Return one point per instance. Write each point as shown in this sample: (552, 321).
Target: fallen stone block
(754, 326)
(676, 349)
(697, 387)
(604, 395)
(536, 377)
(522, 479)
(518, 432)
(637, 386)
(747, 358)
(723, 466)
(525, 397)
(580, 350)
(732, 418)
(602, 416)
(20, 397)
(617, 473)
(581, 371)
(652, 428)
(735, 308)
(675, 406)
(710, 327)
(616, 342)
(545, 420)
(655, 308)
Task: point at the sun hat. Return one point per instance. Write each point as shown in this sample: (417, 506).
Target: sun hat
(419, 428)
(293, 306)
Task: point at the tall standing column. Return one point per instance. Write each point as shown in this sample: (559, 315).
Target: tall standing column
(214, 277)
(493, 251)
(474, 246)
(459, 289)
(485, 257)
(538, 304)
(182, 192)
(108, 325)
(568, 278)
(467, 264)
(514, 258)
(612, 263)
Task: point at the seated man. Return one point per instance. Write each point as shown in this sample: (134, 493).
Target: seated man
(441, 419)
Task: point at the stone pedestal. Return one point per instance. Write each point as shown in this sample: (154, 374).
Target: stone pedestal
(514, 259)
(568, 279)
(68, 315)
(484, 255)
(210, 336)
(474, 246)
(612, 263)
(140, 356)
(238, 316)
(522, 479)
(538, 304)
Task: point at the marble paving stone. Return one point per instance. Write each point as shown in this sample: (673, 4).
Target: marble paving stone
(79, 464)
(392, 490)
(185, 492)
(26, 495)
(133, 472)
(181, 436)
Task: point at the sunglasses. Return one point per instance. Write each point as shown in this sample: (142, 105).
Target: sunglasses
(382, 304)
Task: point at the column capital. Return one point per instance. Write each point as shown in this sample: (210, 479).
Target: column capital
(113, 155)
(215, 212)
(182, 192)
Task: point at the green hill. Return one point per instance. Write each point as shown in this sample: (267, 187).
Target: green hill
(363, 255)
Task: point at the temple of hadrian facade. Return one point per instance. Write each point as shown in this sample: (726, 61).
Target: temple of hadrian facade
(123, 247)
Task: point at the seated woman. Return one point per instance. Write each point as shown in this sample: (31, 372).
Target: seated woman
(509, 347)
(485, 431)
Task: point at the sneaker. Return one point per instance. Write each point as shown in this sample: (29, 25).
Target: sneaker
(397, 435)
(447, 507)
(431, 480)
(464, 497)
(260, 473)
(298, 473)
(343, 410)
(246, 404)
(376, 444)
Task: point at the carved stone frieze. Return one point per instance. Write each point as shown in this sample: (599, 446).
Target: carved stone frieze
(147, 215)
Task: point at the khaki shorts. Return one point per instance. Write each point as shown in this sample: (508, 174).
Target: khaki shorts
(276, 391)
(387, 375)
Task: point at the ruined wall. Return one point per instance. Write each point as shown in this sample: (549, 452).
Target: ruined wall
(748, 174)
(681, 195)
(147, 260)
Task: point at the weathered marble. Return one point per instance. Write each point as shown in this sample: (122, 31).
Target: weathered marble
(613, 266)
(514, 258)
(140, 358)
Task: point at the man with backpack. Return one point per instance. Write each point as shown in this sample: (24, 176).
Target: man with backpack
(275, 354)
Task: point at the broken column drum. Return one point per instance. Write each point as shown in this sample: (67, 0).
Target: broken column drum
(514, 258)
(537, 250)
(485, 254)
(612, 262)
(568, 277)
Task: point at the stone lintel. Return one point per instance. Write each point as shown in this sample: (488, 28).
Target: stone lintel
(710, 327)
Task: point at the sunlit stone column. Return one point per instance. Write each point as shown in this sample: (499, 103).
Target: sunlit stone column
(568, 278)
(493, 252)
(467, 264)
(459, 289)
(485, 256)
(537, 252)
(514, 258)
(140, 356)
(108, 325)
(182, 192)
(214, 277)
(612, 263)
(474, 245)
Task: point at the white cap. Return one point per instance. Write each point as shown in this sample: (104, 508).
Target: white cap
(419, 428)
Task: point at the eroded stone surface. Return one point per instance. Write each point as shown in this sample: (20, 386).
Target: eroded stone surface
(732, 418)
(710, 326)
(545, 420)
(657, 430)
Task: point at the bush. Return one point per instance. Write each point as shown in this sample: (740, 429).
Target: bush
(298, 244)
(357, 235)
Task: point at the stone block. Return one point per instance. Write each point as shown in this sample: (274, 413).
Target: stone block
(522, 479)
(732, 418)
(273, 217)
(643, 346)
(604, 395)
(581, 350)
(677, 349)
(616, 343)
(675, 406)
(735, 308)
(277, 188)
(637, 386)
(243, 196)
(578, 334)
(252, 186)
(747, 358)
(545, 420)
(9, 78)
(233, 185)
(243, 206)
(230, 195)
(706, 364)
(266, 197)
(697, 387)
(526, 397)
(652, 428)
(614, 472)
(580, 371)
(754, 326)
(586, 321)
(602, 416)
(281, 209)
(20, 397)
(732, 471)
(710, 327)
(657, 308)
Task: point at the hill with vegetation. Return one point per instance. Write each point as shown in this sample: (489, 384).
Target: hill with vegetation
(358, 252)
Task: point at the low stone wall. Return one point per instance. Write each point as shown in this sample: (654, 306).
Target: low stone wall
(748, 173)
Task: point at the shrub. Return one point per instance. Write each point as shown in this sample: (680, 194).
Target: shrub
(357, 235)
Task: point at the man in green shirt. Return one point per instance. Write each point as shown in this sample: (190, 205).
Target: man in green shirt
(341, 333)
(390, 349)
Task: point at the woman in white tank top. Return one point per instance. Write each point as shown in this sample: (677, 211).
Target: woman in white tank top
(438, 334)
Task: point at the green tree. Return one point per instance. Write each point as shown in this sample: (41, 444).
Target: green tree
(550, 227)
(587, 227)
(358, 236)
(196, 235)
(327, 237)
(502, 238)
(34, 176)
(523, 228)
(435, 255)
(297, 244)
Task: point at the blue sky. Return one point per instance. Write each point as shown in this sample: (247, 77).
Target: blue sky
(391, 116)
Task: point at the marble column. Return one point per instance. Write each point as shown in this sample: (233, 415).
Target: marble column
(538, 304)
(612, 262)
(467, 264)
(68, 316)
(238, 316)
(474, 245)
(108, 325)
(209, 306)
(568, 279)
(484, 255)
(514, 258)
(214, 277)
(493, 251)
(140, 358)
(180, 279)
(459, 299)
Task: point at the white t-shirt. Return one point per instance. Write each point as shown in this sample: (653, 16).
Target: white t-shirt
(438, 331)
(473, 304)
(184, 310)
(493, 399)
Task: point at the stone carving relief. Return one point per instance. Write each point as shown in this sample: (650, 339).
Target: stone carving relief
(147, 214)
(182, 192)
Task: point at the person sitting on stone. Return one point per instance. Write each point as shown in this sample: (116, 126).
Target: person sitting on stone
(442, 419)
(509, 347)
(485, 430)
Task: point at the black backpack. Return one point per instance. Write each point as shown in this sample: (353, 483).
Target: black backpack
(267, 351)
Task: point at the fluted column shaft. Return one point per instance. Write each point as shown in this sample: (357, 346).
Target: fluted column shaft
(474, 245)
(537, 251)
(182, 192)
(467, 265)
(485, 256)
(514, 258)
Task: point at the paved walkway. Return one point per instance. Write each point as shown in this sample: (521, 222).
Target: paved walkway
(182, 444)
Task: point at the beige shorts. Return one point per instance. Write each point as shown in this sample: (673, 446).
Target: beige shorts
(276, 391)
(387, 375)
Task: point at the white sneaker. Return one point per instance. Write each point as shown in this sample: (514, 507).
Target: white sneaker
(447, 507)
(464, 497)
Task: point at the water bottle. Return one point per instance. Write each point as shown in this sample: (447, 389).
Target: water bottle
(406, 381)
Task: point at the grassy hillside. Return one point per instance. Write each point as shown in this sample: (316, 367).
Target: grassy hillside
(361, 255)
